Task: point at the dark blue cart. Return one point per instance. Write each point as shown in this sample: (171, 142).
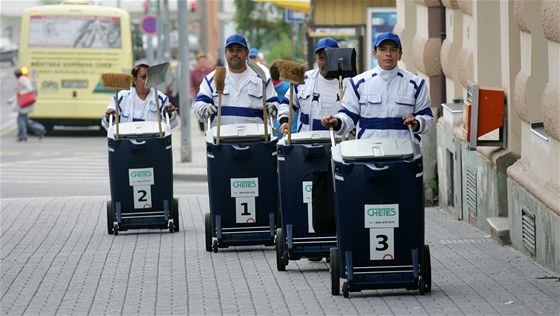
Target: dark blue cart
(141, 178)
(308, 154)
(379, 217)
(242, 186)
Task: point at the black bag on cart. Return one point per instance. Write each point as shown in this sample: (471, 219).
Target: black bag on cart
(322, 196)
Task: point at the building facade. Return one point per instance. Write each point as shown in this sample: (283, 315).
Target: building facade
(511, 191)
(508, 183)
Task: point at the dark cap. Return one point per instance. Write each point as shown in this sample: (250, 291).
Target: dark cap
(236, 39)
(326, 43)
(387, 37)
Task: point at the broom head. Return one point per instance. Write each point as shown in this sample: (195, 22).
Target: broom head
(117, 81)
(220, 79)
(291, 71)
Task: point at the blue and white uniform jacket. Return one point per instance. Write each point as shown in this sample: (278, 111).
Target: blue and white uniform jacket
(376, 101)
(312, 105)
(244, 105)
(127, 107)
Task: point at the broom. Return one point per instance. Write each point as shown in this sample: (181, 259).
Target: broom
(116, 81)
(219, 81)
(292, 72)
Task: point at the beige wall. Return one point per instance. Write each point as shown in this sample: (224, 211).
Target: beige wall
(344, 12)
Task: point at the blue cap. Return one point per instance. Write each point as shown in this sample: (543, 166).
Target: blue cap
(253, 52)
(326, 43)
(236, 39)
(387, 37)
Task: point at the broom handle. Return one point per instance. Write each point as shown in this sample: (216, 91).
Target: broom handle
(290, 114)
(117, 111)
(265, 113)
(158, 113)
(219, 117)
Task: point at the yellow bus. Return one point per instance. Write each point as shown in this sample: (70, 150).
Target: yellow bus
(66, 48)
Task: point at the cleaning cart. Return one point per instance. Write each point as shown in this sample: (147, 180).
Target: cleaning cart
(141, 179)
(308, 157)
(379, 217)
(141, 168)
(242, 186)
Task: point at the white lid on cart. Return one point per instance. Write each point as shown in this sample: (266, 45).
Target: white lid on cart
(138, 129)
(232, 133)
(309, 137)
(376, 148)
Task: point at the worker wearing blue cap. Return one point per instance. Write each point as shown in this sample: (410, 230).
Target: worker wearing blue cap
(318, 96)
(384, 101)
(243, 90)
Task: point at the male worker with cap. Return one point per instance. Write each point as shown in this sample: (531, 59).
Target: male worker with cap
(243, 91)
(383, 101)
(318, 96)
(255, 56)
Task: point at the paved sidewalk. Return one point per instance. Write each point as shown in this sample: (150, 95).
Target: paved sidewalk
(56, 258)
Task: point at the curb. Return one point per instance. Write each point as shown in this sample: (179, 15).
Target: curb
(190, 177)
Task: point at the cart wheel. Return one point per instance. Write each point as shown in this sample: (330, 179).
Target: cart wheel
(109, 217)
(280, 245)
(115, 228)
(335, 274)
(345, 290)
(208, 232)
(422, 286)
(427, 268)
(170, 226)
(176, 214)
(215, 246)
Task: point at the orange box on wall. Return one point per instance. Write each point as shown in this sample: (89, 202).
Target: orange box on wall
(490, 112)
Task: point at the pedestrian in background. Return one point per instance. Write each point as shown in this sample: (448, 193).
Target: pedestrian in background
(197, 75)
(25, 125)
(242, 99)
(138, 103)
(383, 101)
(317, 96)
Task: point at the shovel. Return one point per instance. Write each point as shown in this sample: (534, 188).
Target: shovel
(341, 63)
(156, 76)
(258, 70)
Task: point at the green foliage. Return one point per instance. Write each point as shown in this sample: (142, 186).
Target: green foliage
(255, 20)
(279, 49)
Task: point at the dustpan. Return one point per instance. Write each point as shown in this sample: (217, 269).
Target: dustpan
(258, 70)
(156, 76)
(341, 62)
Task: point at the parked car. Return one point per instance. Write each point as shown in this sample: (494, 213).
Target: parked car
(8, 51)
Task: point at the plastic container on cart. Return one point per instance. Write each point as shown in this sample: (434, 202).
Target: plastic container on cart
(308, 155)
(379, 217)
(141, 178)
(242, 187)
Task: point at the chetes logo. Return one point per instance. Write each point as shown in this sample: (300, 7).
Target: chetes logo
(388, 211)
(141, 174)
(244, 184)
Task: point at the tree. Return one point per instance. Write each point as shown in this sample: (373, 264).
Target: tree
(264, 27)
